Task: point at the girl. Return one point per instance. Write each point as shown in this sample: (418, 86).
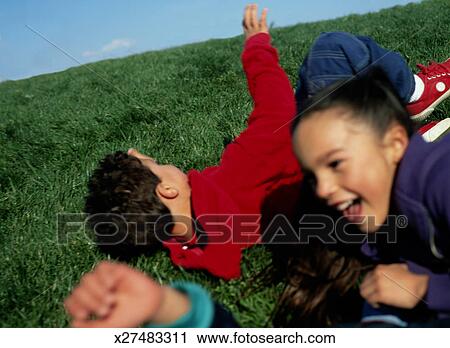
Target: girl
(319, 277)
(356, 140)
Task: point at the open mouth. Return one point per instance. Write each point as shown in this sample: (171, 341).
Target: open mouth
(352, 210)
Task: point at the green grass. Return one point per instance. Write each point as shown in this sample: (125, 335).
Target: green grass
(180, 105)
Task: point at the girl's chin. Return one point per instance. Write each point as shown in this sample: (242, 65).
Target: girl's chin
(364, 220)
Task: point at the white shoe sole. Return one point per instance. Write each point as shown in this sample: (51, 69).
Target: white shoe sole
(425, 113)
(440, 129)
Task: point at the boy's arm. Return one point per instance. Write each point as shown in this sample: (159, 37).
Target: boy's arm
(267, 82)
(268, 133)
(438, 204)
(264, 148)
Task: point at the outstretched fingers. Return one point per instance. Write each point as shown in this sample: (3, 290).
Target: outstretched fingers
(254, 16)
(263, 20)
(252, 25)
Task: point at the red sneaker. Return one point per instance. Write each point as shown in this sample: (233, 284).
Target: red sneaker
(436, 78)
(424, 128)
(435, 130)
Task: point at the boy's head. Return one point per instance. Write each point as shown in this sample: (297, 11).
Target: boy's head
(131, 202)
(350, 139)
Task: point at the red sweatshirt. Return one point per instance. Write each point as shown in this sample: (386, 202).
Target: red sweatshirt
(258, 175)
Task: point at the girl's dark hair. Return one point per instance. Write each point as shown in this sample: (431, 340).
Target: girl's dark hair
(321, 288)
(320, 279)
(370, 97)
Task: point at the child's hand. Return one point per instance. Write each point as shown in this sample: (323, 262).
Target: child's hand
(251, 24)
(137, 154)
(394, 285)
(114, 295)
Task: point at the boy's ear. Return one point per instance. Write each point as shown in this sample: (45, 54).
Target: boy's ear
(396, 141)
(166, 191)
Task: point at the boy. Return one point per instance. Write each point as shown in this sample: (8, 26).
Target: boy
(214, 213)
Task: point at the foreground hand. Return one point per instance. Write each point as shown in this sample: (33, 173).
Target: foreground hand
(394, 285)
(251, 24)
(114, 295)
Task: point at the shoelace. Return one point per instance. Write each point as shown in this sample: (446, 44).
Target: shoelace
(435, 69)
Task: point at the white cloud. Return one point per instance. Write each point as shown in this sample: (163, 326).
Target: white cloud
(112, 46)
(89, 53)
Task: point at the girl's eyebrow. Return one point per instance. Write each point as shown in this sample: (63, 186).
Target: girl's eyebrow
(329, 154)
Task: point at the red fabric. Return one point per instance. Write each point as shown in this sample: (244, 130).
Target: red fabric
(258, 172)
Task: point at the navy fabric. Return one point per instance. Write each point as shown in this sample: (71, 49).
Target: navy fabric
(338, 55)
(222, 317)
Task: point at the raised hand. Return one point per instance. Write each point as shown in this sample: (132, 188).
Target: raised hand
(252, 25)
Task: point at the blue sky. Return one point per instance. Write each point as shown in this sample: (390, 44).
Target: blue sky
(100, 29)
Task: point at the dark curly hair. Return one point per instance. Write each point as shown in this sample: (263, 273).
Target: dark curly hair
(125, 213)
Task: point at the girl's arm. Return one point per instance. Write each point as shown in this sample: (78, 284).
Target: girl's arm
(437, 296)
(437, 199)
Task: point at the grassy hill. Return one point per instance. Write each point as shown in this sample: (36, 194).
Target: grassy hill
(180, 105)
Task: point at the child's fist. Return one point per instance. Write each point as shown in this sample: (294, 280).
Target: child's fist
(251, 24)
(394, 285)
(114, 295)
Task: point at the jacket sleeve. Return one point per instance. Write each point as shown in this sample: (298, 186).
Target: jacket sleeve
(268, 84)
(437, 193)
(204, 312)
(261, 157)
(438, 205)
(437, 297)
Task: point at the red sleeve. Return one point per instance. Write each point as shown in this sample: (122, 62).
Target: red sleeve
(261, 157)
(268, 84)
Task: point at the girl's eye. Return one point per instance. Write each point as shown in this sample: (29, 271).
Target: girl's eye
(334, 164)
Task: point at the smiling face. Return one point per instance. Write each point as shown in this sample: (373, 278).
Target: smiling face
(353, 166)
